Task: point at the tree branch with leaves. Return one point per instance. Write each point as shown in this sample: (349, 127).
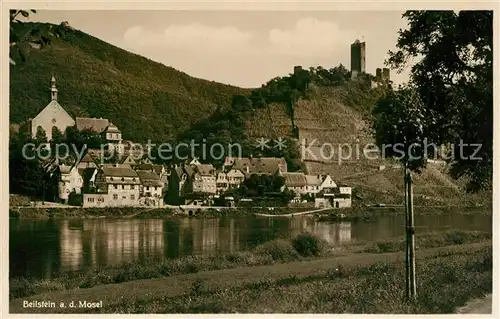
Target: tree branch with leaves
(454, 78)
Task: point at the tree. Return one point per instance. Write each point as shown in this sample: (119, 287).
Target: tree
(454, 78)
(17, 42)
(41, 136)
(400, 121)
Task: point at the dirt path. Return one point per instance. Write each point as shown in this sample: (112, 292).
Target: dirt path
(477, 306)
(176, 285)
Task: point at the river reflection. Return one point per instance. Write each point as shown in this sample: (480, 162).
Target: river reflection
(43, 248)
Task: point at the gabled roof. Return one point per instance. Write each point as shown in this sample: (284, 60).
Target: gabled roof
(259, 165)
(158, 169)
(295, 179)
(314, 180)
(96, 125)
(204, 169)
(54, 105)
(148, 176)
(87, 158)
(126, 160)
(119, 171)
(112, 128)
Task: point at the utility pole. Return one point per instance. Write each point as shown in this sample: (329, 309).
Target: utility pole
(410, 239)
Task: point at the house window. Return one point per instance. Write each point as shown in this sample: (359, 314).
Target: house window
(116, 186)
(132, 197)
(115, 196)
(132, 187)
(123, 179)
(147, 188)
(111, 178)
(90, 199)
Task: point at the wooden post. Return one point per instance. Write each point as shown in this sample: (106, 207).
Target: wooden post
(411, 239)
(407, 260)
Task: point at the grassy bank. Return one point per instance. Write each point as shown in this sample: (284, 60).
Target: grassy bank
(303, 247)
(445, 282)
(345, 214)
(135, 212)
(79, 212)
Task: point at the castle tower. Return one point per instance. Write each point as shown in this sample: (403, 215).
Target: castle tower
(53, 89)
(386, 74)
(358, 53)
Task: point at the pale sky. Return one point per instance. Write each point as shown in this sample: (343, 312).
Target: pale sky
(242, 48)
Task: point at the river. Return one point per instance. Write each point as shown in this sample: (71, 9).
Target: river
(42, 248)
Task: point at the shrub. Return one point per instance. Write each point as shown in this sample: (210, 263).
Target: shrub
(308, 245)
(279, 250)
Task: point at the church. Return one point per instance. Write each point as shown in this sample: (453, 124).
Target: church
(55, 116)
(51, 117)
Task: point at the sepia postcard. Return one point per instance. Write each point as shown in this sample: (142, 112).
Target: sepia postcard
(249, 158)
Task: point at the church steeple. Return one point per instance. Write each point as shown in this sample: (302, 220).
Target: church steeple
(53, 89)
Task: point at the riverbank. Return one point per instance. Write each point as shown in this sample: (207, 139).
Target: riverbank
(360, 283)
(345, 214)
(368, 213)
(301, 248)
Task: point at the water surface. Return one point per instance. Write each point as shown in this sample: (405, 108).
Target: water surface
(42, 248)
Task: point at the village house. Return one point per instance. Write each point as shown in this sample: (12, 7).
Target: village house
(295, 182)
(62, 177)
(235, 178)
(116, 185)
(203, 180)
(52, 117)
(314, 183)
(105, 128)
(222, 183)
(187, 182)
(257, 165)
(70, 181)
(151, 188)
(334, 197)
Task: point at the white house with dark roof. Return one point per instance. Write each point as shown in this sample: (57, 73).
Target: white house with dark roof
(116, 185)
(70, 180)
(51, 117)
(204, 179)
(151, 189)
